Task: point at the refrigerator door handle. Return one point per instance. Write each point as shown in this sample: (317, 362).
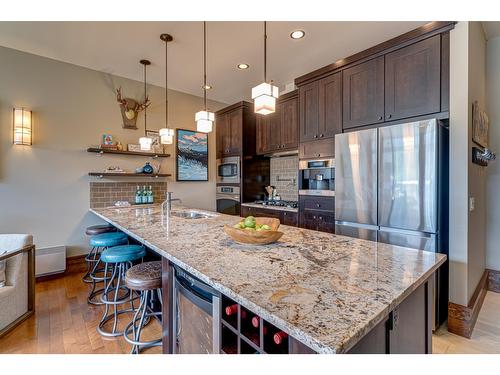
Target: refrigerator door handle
(407, 232)
(356, 225)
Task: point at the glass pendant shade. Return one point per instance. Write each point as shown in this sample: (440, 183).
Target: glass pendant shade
(204, 121)
(166, 136)
(145, 143)
(264, 96)
(22, 127)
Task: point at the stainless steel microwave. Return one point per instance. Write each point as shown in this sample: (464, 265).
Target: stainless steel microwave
(228, 170)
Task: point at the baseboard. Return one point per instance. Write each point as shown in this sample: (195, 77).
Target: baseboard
(494, 281)
(462, 319)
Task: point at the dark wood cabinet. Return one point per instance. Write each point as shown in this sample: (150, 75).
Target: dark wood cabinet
(317, 213)
(285, 217)
(288, 110)
(322, 148)
(234, 124)
(413, 80)
(321, 108)
(278, 131)
(363, 94)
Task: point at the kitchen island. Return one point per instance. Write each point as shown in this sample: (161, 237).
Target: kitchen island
(329, 293)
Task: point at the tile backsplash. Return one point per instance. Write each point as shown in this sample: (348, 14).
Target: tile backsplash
(284, 173)
(105, 194)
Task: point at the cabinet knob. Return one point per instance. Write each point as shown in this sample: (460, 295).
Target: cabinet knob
(315, 136)
(282, 146)
(318, 205)
(321, 135)
(321, 218)
(389, 116)
(314, 217)
(380, 118)
(319, 155)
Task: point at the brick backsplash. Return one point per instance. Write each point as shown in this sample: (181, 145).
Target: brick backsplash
(105, 194)
(286, 168)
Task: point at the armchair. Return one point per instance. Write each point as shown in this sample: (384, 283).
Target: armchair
(17, 296)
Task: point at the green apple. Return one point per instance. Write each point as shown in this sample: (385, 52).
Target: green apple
(266, 227)
(250, 222)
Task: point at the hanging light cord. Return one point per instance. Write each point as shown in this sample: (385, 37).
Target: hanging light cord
(166, 84)
(205, 64)
(145, 99)
(265, 51)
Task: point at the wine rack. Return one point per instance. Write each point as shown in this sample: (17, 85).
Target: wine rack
(243, 332)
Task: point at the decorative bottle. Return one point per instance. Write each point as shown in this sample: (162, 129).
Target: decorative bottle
(144, 195)
(150, 195)
(138, 195)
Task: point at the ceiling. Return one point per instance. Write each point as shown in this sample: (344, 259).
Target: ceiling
(117, 47)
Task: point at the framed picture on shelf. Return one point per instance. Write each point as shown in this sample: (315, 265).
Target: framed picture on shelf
(156, 146)
(480, 125)
(133, 147)
(191, 155)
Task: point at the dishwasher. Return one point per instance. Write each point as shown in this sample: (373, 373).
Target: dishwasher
(196, 308)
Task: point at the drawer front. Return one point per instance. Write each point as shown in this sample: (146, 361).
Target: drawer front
(289, 218)
(317, 220)
(317, 149)
(312, 203)
(260, 212)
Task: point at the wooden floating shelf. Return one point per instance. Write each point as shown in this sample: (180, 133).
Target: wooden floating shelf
(104, 175)
(135, 153)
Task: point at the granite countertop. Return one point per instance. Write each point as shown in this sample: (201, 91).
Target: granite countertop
(278, 208)
(325, 290)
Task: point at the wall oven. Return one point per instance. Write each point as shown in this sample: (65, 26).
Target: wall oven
(196, 315)
(228, 170)
(317, 177)
(228, 200)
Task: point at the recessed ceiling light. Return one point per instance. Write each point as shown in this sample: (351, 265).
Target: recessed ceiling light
(206, 87)
(243, 66)
(297, 34)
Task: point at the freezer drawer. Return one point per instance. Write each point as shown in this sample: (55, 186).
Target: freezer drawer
(407, 181)
(414, 240)
(364, 232)
(356, 177)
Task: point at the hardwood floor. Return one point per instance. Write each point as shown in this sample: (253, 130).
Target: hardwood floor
(65, 323)
(485, 337)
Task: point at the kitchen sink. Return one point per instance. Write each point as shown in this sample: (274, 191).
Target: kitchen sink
(191, 214)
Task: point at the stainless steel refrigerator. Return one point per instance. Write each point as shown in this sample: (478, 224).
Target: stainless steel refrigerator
(391, 186)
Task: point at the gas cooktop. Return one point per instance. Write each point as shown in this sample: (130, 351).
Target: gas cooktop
(280, 203)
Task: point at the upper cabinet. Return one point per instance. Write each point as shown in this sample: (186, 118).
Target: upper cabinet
(363, 93)
(413, 80)
(278, 131)
(321, 108)
(233, 124)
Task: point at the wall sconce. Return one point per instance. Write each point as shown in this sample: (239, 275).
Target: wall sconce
(22, 127)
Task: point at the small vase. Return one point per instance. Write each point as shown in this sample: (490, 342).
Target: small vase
(147, 169)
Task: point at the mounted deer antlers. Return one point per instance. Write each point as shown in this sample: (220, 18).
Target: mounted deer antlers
(130, 108)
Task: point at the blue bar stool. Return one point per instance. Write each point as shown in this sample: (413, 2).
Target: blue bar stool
(92, 256)
(118, 259)
(101, 242)
(144, 278)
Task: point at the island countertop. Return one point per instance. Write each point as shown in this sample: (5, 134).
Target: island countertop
(325, 290)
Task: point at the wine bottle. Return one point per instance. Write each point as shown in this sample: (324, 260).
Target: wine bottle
(279, 337)
(144, 196)
(138, 195)
(256, 321)
(150, 195)
(231, 310)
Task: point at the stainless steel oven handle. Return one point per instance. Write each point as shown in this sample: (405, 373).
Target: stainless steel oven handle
(235, 198)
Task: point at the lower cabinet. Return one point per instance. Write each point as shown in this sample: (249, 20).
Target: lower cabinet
(317, 213)
(406, 330)
(285, 217)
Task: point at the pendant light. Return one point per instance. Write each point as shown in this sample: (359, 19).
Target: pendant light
(204, 119)
(145, 142)
(265, 94)
(166, 134)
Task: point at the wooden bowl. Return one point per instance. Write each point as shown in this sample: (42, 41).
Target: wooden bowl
(252, 237)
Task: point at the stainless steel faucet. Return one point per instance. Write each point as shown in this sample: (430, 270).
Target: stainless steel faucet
(169, 200)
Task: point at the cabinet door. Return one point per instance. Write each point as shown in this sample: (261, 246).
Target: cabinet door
(222, 131)
(309, 111)
(363, 94)
(308, 220)
(322, 148)
(268, 133)
(326, 222)
(330, 106)
(289, 218)
(235, 124)
(288, 112)
(413, 80)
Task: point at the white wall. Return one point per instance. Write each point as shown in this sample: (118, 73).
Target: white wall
(467, 228)
(493, 170)
(44, 189)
